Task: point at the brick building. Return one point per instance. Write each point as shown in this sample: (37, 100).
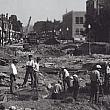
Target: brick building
(6, 32)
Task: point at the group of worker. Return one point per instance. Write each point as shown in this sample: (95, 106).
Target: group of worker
(99, 83)
(66, 82)
(32, 69)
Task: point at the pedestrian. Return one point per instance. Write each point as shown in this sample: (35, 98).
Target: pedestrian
(65, 77)
(75, 86)
(95, 83)
(57, 89)
(13, 73)
(29, 71)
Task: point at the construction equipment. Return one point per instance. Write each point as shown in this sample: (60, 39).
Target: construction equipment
(26, 44)
(26, 31)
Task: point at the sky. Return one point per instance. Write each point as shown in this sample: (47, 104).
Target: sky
(40, 9)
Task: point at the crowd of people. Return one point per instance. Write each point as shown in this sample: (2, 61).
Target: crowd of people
(66, 83)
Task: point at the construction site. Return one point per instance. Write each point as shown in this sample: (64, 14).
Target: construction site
(52, 58)
(53, 42)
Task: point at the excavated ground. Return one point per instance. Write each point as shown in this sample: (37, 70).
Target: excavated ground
(28, 98)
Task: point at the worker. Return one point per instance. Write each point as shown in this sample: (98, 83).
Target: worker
(107, 79)
(36, 72)
(70, 89)
(13, 73)
(29, 71)
(75, 86)
(65, 77)
(95, 83)
(57, 89)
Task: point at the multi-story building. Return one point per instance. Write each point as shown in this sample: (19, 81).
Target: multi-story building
(6, 32)
(73, 25)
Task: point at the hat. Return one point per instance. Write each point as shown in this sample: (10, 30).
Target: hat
(75, 75)
(59, 81)
(63, 67)
(15, 61)
(71, 77)
(98, 67)
(38, 58)
(30, 55)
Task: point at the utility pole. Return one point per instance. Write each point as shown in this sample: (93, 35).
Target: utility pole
(9, 27)
(89, 27)
(2, 29)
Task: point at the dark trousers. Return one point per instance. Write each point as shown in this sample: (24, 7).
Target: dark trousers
(12, 83)
(75, 92)
(66, 81)
(35, 79)
(94, 91)
(55, 96)
(29, 71)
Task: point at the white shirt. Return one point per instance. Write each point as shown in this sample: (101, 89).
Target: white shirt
(66, 73)
(30, 63)
(94, 75)
(57, 88)
(13, 69)
(108, 69)
(36, 67)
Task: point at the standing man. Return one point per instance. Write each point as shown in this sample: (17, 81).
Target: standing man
(36, 72)
(75, 86)
(95, 83)
(64, 76)
(29, 71)
(13, 73)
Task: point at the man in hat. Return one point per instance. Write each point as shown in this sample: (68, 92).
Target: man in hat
(29, 71)
(95, 82)
(13, 73)
(65, 77)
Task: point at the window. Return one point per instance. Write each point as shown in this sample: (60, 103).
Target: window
(81, 20)
(81, 31)
(77, 20)
(77, 31)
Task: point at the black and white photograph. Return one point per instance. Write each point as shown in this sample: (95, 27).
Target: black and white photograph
(54, 54)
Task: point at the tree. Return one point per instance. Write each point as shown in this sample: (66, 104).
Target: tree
(16, 24)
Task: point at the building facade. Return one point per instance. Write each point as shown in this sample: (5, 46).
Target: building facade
(73, 25)
(7, 34)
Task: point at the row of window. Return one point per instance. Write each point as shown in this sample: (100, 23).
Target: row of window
(79, 20)
(79, 31)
